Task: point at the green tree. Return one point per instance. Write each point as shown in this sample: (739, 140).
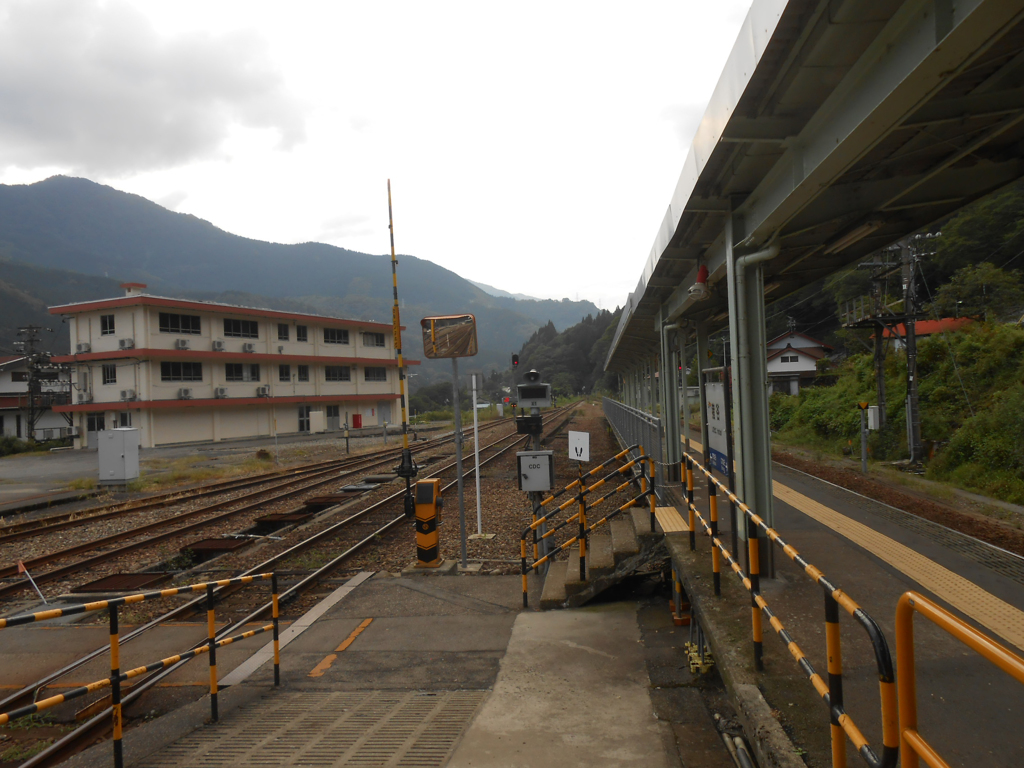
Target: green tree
(983, 291)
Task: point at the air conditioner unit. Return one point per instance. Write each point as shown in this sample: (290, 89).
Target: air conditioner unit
(248, 347)
(220, 392)
(218, 346)
(262, 391)
(185, 393)
(181, 343)
(83, 348)
(127, 394)
(85, 397)
(70, 431)
(126, 343)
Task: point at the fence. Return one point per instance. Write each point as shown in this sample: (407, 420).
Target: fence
(117, 676)
(641, 463)
(636, 428)
(912, 743)
(831, 693)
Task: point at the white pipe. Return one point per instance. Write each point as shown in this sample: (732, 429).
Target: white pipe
(476, 452)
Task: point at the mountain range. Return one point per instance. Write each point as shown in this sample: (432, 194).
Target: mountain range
(70, 239)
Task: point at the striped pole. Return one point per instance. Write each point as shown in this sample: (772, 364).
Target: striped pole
(689, 503)
(834, 650)
(115, 687)
(407, 469)
(583, 525)
(716, 563)
(276, 613)
(211, 632)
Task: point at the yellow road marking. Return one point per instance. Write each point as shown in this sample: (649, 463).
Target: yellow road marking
(328, 660)
(964, 595)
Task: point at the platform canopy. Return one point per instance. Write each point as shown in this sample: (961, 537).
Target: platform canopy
(837, 127)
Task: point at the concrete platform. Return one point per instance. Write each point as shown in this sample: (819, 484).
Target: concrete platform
(433, 672)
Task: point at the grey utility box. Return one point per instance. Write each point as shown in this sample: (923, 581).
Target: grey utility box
(119, 455)
(536, 470)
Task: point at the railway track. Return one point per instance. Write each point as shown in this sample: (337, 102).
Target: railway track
(385, 515)
(310, 477)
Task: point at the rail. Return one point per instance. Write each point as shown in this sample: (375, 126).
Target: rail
(117, 676)
(831, 693)
(642, 462)
(912, 742)
(635, 428)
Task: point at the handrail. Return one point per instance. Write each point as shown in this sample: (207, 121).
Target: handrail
(642, 462)
(911, 741)
(117, 676)
(832, 693)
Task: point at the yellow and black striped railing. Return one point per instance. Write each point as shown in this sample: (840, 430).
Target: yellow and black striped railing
(645, 467)
(117, 676)
(912, 743)
(832, 691)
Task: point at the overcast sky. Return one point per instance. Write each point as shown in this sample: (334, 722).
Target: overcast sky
(531, 146)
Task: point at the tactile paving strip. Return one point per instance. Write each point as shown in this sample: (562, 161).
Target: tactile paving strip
(323, 728)
(964, 595)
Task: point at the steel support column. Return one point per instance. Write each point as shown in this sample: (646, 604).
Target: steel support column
(750, 378)
(702, 363)
(669, 402)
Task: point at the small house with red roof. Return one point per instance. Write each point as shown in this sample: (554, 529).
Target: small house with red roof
(925, 328)
(792, 361)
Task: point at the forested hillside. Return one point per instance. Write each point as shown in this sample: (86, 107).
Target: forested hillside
(971, 382)
(68, 224)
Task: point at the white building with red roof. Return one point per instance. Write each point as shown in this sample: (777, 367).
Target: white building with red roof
(792, 361)
(185, 371)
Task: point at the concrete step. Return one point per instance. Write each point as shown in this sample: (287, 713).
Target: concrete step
(573, 583)
(624, 541)
(641, 518)
(553, 595)
(600, 560)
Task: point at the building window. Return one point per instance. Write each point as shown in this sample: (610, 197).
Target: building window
(95, 422)
(282, 331)
(180, 371)
(375, 374)
(335, 336)
(303, 373)
(242, 329)
(373, 339)
(19, 375)
(301, 333)
(241, 372)
(173, 323)
(333, 411)
(284, 373)
(124, 419)
(110, 374)
(790, 358)
(337, 373)
(106, 325)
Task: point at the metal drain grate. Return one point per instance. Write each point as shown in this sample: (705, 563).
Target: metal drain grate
(318, 728)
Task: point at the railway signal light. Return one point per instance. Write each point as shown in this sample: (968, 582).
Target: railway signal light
(515, 361)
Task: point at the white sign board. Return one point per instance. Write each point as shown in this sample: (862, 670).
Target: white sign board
(579, 446)
(718, 440)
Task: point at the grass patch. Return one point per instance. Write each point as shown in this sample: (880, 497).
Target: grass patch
(82, 484)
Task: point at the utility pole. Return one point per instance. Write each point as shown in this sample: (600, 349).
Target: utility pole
(39, 369)
(910, 308)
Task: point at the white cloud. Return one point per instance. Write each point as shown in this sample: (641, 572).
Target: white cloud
(94, 88)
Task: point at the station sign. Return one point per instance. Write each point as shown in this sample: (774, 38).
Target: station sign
(718, 425)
